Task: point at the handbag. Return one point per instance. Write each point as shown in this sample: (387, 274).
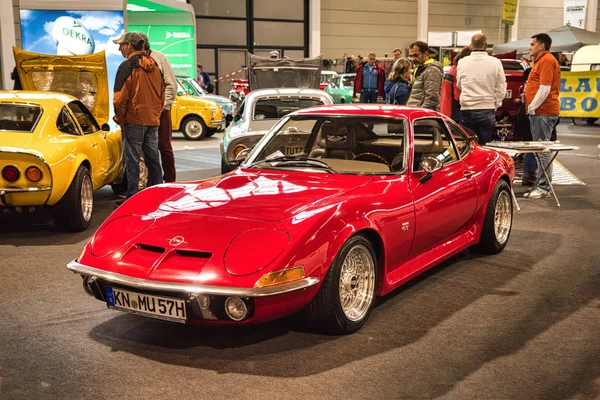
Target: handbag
(210, 88)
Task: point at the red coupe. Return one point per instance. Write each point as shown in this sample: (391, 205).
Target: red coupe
(334, 206)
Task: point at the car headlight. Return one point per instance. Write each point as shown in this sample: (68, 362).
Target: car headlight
(242, 257)
(118, 232)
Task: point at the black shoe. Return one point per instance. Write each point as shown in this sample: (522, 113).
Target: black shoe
(527, 182)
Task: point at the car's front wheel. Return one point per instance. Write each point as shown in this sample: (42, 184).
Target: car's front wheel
(498, 221)
(347, 295)
(193, 128)
(74, 211)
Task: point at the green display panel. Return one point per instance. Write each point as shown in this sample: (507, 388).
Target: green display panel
(174, 41)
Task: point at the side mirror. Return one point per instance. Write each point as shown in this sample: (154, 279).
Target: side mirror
(229, 118)
(105, 127)
(242, 155)
(430, 165)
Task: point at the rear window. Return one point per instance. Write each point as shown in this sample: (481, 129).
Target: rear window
(278, 108)
(512, 65)
(19, 117)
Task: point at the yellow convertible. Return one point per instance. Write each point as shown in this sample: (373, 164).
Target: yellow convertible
(56, 147)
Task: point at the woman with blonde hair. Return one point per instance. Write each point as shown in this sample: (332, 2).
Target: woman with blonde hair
(397, 87)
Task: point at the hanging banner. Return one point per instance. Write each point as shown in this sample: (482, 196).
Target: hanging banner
(509, 11)
(575, 13)
(580, 94)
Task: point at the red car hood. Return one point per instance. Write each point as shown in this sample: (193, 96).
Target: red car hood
(260, 195)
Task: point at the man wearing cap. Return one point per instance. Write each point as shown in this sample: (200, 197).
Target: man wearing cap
(139, 98)
(165, 130)
(274, 54)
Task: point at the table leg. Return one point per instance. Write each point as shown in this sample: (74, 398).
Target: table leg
(545, 171)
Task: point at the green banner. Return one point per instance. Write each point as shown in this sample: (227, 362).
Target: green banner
(509, 11)
(580, 94)
(174, 41)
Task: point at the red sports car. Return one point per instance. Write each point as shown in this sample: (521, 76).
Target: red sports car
(334, 206)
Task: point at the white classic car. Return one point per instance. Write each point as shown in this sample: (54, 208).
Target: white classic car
(277, 88)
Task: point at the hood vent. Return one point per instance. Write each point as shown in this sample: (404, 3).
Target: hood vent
(195, 254)
(153, 249)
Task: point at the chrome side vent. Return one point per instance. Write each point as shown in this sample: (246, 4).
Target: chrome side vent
(154, 249)
(195, 254)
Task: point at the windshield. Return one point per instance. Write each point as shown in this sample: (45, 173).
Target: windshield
(187, 87)
(327, 78)
(333, 144)
(196, 86)
(19, 118)
(277, 108)
(348, 81)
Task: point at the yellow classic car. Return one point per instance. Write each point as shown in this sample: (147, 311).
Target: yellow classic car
(194, 116)
(56, 147)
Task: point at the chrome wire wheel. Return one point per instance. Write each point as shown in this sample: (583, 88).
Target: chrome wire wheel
(502, 217)
(194, 129)
(87, 198)
(357, 283)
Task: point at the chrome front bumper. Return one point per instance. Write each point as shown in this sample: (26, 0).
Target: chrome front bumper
(184, 288)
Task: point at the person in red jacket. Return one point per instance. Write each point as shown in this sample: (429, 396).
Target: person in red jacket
(449, 103)
(369, 81)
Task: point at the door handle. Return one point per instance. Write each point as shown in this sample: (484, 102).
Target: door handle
(94, 144)
(468, 174)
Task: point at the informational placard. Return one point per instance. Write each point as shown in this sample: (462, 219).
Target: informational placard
(509, 11)
(580, 94)
(176, 42)
(575, 13)
(439, 38)
(463, 38)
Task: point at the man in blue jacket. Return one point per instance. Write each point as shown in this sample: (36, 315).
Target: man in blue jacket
(370, 77)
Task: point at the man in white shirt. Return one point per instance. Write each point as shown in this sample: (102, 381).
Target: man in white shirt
(481, 79)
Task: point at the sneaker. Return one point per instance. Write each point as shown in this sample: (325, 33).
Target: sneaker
(537, 193)
(122, 195)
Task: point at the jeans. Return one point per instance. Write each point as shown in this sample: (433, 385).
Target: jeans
(541, 129)
(137, 139)
(165, 133)
(482, 122)
(368, 97)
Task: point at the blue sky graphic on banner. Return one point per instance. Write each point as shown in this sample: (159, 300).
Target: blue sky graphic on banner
(43, 31)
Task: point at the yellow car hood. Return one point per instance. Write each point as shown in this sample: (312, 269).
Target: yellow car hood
(84, 77)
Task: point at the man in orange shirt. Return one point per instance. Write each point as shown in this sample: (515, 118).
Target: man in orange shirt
(541, 102)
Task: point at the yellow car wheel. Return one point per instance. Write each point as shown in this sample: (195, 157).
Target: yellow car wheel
(74, 211)
(193, 128)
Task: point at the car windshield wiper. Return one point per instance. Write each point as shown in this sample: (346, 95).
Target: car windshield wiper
(288, 161)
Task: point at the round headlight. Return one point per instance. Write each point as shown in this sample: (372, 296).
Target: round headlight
(236, 308)
(11, 173)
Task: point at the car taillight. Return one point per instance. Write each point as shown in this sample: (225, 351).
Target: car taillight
(11, 173)
(33, 174)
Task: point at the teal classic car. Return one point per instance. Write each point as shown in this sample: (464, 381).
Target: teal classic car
(341, 88)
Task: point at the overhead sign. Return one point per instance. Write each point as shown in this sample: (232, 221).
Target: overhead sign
(575, 13)
(580, 94)
(176, 42)
(509, 11)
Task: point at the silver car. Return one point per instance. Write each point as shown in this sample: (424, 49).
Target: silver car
(258, 113)
(277, 87)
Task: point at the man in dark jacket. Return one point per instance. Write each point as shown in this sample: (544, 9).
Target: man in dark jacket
(369, 81)
(139, 97)
(427, 78)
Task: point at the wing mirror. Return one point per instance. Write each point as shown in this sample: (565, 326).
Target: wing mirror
(105, 127)
(229, 118)
(242, 155)
(430, 165)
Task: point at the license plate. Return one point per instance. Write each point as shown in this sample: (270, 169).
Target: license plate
(508, 94)
(164, 308)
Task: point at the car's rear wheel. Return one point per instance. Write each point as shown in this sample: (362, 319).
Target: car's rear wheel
(193, 128)
(347, 295)
(74, 211)
(498, 221)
